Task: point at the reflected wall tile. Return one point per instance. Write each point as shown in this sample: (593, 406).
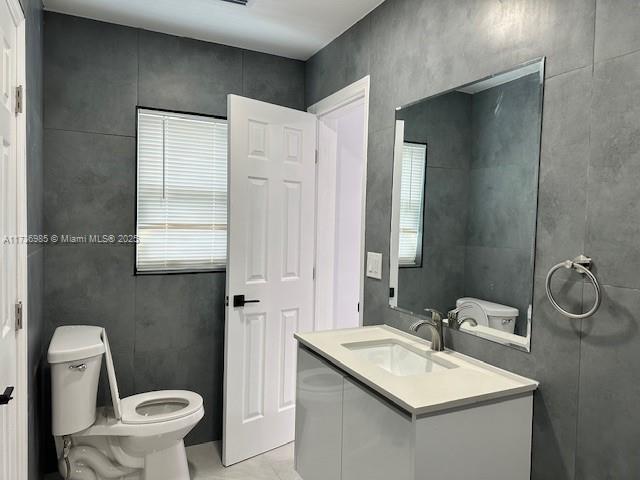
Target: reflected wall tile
(502, 206)
(445, 219)
(437, 284)
(444, 124)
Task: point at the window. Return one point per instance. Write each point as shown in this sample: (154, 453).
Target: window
(181, 192)
(412, 204)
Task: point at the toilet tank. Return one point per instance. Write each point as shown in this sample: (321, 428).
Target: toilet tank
(75, 354)
(500, 317)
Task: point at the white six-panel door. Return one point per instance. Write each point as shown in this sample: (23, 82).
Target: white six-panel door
(270, 259)
(9, 244)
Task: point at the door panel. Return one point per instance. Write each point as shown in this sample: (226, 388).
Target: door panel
(292, 230)
(289, 321)
(271, 256)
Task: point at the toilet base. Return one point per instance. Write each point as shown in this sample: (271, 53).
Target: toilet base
(96, 458)
(167, 464)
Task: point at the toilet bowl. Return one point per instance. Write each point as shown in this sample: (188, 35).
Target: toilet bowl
(136, 438)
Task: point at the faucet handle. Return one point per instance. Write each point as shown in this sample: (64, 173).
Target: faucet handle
(436, 315)
(454, 316)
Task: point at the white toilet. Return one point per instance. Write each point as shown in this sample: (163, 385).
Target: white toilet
(489, 314)
(138, 438)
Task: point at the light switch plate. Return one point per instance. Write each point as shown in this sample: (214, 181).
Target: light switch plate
(374, 265)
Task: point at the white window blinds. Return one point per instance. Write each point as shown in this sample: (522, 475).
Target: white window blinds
(412, 203)
(182, 192)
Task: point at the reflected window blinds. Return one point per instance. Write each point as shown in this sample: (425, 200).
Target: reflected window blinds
(412, 203)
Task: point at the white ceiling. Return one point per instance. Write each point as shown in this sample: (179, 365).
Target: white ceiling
(291, 28)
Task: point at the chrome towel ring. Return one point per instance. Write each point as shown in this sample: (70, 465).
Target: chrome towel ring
(581, 264)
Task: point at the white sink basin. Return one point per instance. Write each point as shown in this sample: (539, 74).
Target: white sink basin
(397, 358)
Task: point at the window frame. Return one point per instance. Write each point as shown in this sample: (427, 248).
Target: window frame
(136, 272)
(419, 263)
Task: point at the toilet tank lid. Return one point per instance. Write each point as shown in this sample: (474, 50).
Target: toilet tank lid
(492, 309)
(77, 342)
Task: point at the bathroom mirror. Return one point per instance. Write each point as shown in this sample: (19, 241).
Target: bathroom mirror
(465, 194)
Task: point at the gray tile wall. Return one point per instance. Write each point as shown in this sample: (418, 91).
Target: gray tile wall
(35, 274)
(586, 424)
(166, 331)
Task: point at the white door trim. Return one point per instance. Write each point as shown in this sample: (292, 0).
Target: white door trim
(395, 212)
(356, 91)
(22, 387)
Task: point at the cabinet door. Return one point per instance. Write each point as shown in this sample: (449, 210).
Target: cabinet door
(376, 437)
(318, 418)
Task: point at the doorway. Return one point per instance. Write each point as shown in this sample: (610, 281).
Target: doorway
(340, 206)
(296, 180)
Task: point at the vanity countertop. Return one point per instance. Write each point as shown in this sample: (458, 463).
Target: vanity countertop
(470, 382)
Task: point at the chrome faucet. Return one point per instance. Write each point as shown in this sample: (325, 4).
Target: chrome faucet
(454, 319)
(435, 325)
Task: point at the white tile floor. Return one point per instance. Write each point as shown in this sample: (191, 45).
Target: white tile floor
(205, 464)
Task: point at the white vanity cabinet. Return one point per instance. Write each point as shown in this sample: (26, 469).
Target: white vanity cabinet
(376, 437)
(347, 431)
(319, 394)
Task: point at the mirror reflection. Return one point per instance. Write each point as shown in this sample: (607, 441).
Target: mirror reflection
(465, 202)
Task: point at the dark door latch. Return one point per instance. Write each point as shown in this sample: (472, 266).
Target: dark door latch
(6, 396)
(239, 301)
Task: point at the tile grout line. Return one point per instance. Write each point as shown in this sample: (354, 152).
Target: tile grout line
(87, 132)
(616, 57)
(579, 374)
(584, 244)
(572, 70)
(135, 282)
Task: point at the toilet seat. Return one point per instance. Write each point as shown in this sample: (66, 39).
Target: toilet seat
(149, 408)
(160, 406)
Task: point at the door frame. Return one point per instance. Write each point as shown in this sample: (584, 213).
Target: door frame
(358, 90)
(22, 360)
